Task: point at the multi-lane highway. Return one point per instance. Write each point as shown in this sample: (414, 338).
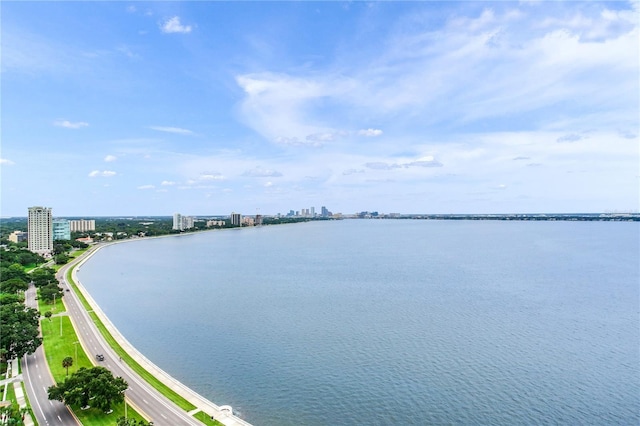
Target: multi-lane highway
(149, 402)
(37, 379)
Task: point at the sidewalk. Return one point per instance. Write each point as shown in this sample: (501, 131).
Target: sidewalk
(16, 379)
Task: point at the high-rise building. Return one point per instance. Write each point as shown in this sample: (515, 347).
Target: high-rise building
(313, 212)
(180, 222)
(177, 222)
(61, 229)
(236, 219)
(40, 230)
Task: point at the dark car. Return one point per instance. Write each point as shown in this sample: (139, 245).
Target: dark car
(100, 357)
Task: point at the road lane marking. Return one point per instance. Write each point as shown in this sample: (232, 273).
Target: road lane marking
(33, 391)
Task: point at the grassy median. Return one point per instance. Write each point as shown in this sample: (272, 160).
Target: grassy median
(58, 346)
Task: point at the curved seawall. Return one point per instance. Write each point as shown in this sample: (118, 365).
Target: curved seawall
(220, 413)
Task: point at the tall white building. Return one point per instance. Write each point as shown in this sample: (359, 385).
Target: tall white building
(180, 223)
(40, 230)
(177, 222)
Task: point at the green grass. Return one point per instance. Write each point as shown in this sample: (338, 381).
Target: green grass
(206, 419)
(57, 348)
(78, 252)
(44, 306)
(11, 394)
(95, 417)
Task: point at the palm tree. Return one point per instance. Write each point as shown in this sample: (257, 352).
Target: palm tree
(67, 362)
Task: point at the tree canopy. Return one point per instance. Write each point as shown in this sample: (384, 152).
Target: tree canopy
(50, 292)
(19, 326)
(43, 276)
(13, 285)
(95, 386)
(131, 422)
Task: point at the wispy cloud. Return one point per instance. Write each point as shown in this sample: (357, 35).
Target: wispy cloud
(573, 137)
(173, 25)
(144, 187)
(70, 125)
(176, 130)
(210, 176)
(260, 172)
(370, 132)
(435, 76)
(352, 171)
(110, 158)
(167, 183)
(6, 162)
(103, 173)
(428, 161)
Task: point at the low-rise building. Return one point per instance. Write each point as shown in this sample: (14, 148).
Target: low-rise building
(18, 236)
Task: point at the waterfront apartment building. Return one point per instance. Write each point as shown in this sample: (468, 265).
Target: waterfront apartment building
(236, 219)
(180, 222)
(82, 225)
(61, 229)
(40, 230)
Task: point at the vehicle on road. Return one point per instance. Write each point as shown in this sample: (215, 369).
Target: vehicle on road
(99, 357)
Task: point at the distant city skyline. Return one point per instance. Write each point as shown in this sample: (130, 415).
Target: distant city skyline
(152, 108)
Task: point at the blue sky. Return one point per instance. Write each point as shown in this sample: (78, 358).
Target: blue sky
(204, 108)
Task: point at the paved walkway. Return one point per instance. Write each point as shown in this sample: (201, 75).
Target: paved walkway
(16, 380)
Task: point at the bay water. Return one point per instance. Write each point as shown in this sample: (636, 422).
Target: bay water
(390, 322)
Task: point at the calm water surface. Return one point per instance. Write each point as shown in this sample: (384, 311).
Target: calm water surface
(383, 322)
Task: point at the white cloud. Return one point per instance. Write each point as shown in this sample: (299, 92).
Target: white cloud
(173, 25)
(6, 162)
(260, 172)
(176, 130)
(110, 158)
(370, 132)
(352, 171)
(323, 137)
(69, 125)
(167, 183)
(497, 64)
(103, 173)
(428, 161)
(209, 176)
(143, 187)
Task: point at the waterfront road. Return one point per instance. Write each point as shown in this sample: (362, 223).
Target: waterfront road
(148, 401)
(143, 397)
(37, 379)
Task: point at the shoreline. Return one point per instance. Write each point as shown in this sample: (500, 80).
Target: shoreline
(200, 402)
